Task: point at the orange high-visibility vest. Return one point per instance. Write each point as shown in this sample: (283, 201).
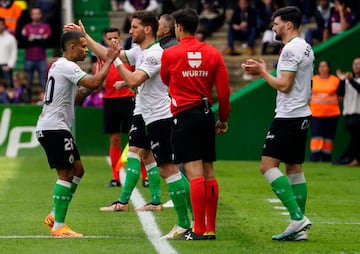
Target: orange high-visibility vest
(324, 100)
(11, 16)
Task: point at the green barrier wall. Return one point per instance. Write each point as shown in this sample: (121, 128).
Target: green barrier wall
(252, 108)
(88, 132)
(17, 131)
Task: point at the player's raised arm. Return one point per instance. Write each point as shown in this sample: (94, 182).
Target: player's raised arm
(94, 46)
(93, 82)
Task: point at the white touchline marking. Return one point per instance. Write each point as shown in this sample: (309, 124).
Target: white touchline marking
(56, 237)
(337, 223)
(285, 213)
(280, 207)
(147, 219)
(273, 200)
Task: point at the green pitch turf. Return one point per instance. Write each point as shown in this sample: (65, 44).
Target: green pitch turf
(246, 219)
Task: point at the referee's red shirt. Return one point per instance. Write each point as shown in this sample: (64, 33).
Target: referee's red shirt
(191, 69)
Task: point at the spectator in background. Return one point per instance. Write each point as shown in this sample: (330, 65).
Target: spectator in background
(8, 53)
(268, 39)
(117, 5)
(242, 27)
(95, 99)
(4, 98)
(36, 35)
(168, 6)
(325, 109)
(321, 14)
(350, 89)
(306, 7)
(354, 5)
(341, 18)
(37, 97)
(11, 12)
(52, 15)
(131, 6)
(211, 16)
(264, 9)
(21, 93)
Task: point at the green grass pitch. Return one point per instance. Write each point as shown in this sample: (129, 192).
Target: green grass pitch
(245, 223)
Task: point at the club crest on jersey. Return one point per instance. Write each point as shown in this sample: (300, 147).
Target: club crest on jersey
(194, 59)
(151, 60)
(77, 69)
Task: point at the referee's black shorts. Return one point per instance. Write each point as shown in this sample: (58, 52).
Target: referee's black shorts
(193, 135)
(118, 114)
(286, 139)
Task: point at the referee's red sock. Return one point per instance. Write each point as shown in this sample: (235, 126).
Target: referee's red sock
(144, 175)
(198, 202)
(114, 152)
(212, 196)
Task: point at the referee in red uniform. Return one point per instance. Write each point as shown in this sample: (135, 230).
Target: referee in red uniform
(191, 69)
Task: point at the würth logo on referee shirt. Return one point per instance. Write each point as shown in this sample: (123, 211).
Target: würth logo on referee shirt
(194, 60)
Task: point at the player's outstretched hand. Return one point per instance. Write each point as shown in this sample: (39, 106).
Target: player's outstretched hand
(71, 27)
(113, 50)
(254, 67)
(74, 27)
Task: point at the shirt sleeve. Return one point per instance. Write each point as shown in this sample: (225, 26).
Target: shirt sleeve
(13, 54)
(75, 73)
(288, 61)
(223, 90)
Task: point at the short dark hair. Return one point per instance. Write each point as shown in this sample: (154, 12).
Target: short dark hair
(289, 13)
(111, 30)
(147, 18)
(187, 18)
(2, 20)
(68, 37)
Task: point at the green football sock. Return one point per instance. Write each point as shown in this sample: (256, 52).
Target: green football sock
(178, 194)
(188, 200)
(61, 197)
(299, 188)
(132, 176)
(74, 184)
(154, 182)
(281, 187)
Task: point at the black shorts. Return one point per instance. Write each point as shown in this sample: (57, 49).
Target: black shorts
(160, 134)
(137, 135)
(118, 114)
(286, 139)
(59, 147)
(193, 136)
